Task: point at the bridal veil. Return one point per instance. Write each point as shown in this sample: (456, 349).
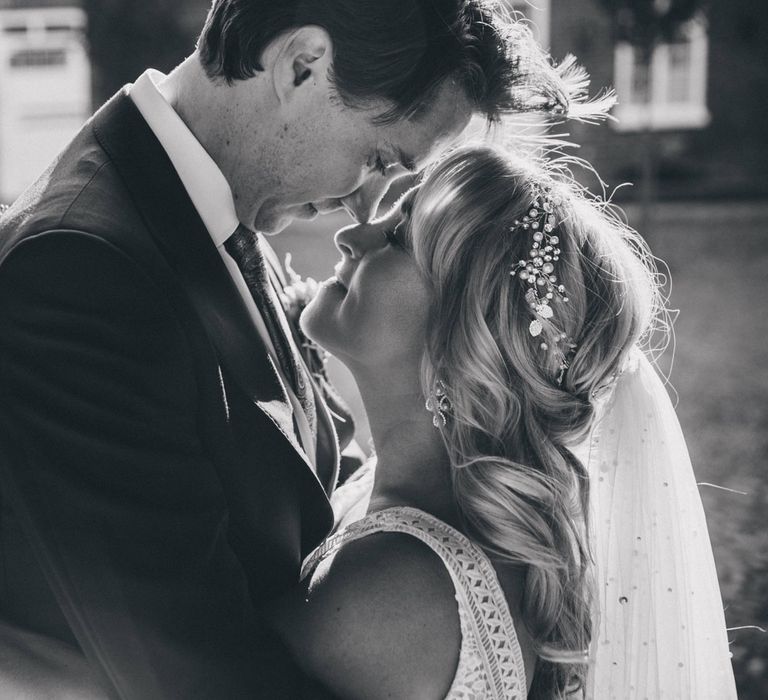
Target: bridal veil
(661, 630)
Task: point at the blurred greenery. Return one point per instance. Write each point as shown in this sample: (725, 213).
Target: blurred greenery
(125, 38)
(646, 22)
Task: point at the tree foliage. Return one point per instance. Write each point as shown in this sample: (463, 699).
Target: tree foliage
(645, 23)
(125, 38)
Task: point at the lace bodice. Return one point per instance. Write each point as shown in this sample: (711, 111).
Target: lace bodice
(490, 661)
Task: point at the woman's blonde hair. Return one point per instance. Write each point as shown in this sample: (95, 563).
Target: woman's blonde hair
(522, 493)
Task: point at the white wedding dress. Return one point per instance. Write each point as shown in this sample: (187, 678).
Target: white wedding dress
(490, 661)
(661, 632)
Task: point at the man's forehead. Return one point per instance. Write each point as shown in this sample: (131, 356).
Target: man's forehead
(419, 141)
(451, 108)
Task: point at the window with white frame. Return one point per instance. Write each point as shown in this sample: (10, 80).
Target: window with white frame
(670, 92)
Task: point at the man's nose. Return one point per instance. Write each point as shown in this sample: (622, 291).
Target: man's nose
(364, 202)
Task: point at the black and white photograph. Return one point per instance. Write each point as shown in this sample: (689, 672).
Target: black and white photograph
(383, 350)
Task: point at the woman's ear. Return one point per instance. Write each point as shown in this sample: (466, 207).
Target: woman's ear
(301, 61)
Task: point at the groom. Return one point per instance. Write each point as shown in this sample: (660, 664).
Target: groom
(166, 456)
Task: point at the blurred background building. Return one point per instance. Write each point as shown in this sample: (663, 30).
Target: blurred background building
(691, 134)
(700, 107)
(45, 86)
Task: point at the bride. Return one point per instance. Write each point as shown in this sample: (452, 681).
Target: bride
(491, 322)
(530, 526)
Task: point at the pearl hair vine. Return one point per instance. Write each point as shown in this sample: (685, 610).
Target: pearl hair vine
(538, 271)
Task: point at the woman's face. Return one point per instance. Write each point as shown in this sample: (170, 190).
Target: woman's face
(373, 313)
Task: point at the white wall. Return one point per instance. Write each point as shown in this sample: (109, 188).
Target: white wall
(45, 88)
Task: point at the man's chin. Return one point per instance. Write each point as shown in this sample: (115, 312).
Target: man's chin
(273, 222)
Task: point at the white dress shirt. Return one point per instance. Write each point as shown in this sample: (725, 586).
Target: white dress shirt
(211, 196)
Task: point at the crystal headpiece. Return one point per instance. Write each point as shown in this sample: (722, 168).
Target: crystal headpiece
(538, 271)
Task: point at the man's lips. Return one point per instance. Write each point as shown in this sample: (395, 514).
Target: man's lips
(326, 206)
(310, 211)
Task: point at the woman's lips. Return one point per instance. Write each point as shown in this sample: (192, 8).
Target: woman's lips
(339, 275)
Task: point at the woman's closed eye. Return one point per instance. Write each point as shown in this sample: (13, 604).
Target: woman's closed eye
(396, 232)
(395, 236)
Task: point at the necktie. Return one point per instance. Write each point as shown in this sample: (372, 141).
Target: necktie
(244, 247)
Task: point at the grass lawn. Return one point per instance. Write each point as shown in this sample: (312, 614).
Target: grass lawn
(718, 257)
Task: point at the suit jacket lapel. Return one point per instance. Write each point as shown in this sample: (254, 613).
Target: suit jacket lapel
(186, 244)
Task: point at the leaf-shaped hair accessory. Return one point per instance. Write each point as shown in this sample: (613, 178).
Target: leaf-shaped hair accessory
(538, 272)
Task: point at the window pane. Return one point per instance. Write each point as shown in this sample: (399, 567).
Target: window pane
(679, 84)
(641, 79)
(38, 58)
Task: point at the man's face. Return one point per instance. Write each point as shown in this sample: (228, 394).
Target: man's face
(327, 155)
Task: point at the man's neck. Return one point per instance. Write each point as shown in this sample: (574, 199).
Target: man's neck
(192, 95)
(210, 108)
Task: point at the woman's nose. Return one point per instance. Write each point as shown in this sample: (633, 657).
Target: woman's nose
(355, 241)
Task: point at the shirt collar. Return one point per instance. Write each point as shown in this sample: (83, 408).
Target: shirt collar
(204, 182)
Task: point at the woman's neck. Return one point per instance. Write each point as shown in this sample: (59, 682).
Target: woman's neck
(413, 468)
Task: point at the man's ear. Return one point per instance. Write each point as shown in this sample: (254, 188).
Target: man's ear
(302, 60)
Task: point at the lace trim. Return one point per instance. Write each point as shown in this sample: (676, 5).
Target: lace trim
(475, 581)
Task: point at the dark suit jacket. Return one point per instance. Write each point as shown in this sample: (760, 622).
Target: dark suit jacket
(151, 499)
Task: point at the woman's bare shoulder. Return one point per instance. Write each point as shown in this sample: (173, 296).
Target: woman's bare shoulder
(379, 620)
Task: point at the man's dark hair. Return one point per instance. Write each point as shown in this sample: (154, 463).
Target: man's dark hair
(399, 51)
